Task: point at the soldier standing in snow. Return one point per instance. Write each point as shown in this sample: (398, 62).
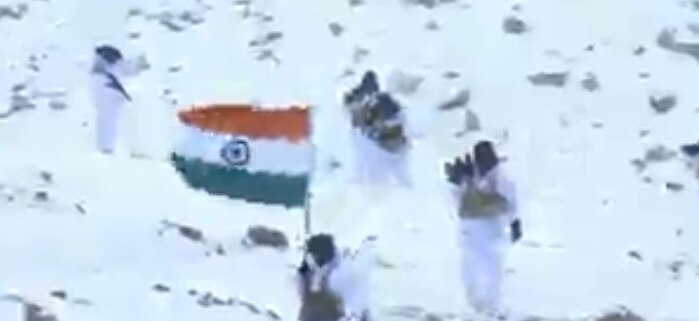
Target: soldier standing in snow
(333, 287)
(108, 92)
(487, 206)
(691, 151)
(381, 146)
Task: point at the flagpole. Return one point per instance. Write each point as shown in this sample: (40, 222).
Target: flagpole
(307, 206)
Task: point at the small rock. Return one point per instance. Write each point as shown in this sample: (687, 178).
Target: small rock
(460, 99)
(356, 3)
(517, 7)
(644, 133)
(639, 51)
(432, 26)
(336, 29)
(33, 312)
(451, 75)
(666, 40)
(359, 54)
(623, 315)
(644, 75)
(473, 123)
(265, 236)
(663, 104)
(404, 83)
(134, 12)
(636, 255)
(639, 164)
(59, 294)
(679, 232)
(514, 25)
(57, 105)
(429, 4)
(80, 209)
(220, 250)
(161, 288)
(334, 164)
(674, 187)
(590, 48)
(192, 292)
(273, 315)
(134, 35)
(41, 196)
(693, 28)
(597, 125)
(47, 177)
(191, 233)
(16, 12)
(590, 82)
(558, 79)
(192, 17)
(659, 154)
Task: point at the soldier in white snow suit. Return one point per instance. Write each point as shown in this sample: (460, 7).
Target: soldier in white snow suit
(108, 92)
(333, 287)
(378, 132)
(487, 208)
(691, 151)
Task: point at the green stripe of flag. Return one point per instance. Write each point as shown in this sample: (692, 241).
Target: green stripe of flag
(259, 187)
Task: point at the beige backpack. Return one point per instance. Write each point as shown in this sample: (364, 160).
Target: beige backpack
(479, 203)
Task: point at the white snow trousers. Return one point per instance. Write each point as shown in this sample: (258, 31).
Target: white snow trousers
(374, 165)
(482, 247)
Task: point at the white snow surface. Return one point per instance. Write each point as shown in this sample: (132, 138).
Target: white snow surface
(582, 200)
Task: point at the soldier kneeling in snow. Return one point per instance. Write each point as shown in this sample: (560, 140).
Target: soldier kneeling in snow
(381, 145)
(487, 207)
(108, 92)
(332, 287)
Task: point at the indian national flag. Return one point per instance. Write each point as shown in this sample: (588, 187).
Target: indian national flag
(243, 152)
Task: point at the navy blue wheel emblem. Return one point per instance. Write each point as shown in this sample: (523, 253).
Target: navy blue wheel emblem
(236, 152)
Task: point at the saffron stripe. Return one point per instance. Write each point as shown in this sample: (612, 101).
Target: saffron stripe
(289, 123)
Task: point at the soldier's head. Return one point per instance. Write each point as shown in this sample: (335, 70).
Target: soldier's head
(321, 247)
(369, 82)
(484, 157)
(109, 54)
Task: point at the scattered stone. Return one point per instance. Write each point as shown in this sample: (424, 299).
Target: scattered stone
(597, 125)
(220, 250)
(59, 294)
(460, 99)
(590, 82)
(268, 55)
(663, 104)
(209, 299)
(636, 255)
(556, 79)
(356, 3)
(57, 105)
(266, 39)
(41, 196)
(644, 75)
(659, 153)
(451, 75)
(647, 180)
(336, 29)
(473, 123)
(134, 35)
(192, 292)
(403, 83)
(334, 164)
(517, 7)
(622, 315)
(429, 4)
(644, 133)
(80, 209)
(514, 25)
(679, 232)
(264, 236)
(639, 51)
(359, 54)
(666, 40)
(33, 312)
(674, 187)
(161, 288)
(192, 17)
(432, 25)
(273, 315)
(134, 12)
(590, 48)
(639, 164)
(45, 176)
(15, 12)
(186, 231)
(693, 28)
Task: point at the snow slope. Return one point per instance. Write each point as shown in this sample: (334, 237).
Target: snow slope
(570, 149)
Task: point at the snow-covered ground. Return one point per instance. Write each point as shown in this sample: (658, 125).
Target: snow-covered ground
(598, 234)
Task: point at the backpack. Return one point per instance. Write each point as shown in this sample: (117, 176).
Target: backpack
(478, 203)
(323, 305)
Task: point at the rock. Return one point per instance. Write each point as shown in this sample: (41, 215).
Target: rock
(57, 105)
(451, 75)
(403, 83)
(666, 40)
(47, 177)
(556, 79)
(432, 26)
(659, 153)
(639, 164)
(514, 25)
(15, 12)
(80, 209)
(429, 4)
(336, 29)
(41, 196)
(639, 51)
(356, 3)
(636, 255)
(473, 123)
(644, 75)
(590, 82)
(460, 99)
(663, 104)
(590, 48)
(622, 315)
(266, 39)
(644, 133)
(161, 288)
(359, 54)
(191, 233)
(264, 236)
(192, 17)
(674, 187)
(59, 294)
(33, 312)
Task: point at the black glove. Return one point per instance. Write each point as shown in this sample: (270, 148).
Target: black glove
(516, 230)
(455, 171)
